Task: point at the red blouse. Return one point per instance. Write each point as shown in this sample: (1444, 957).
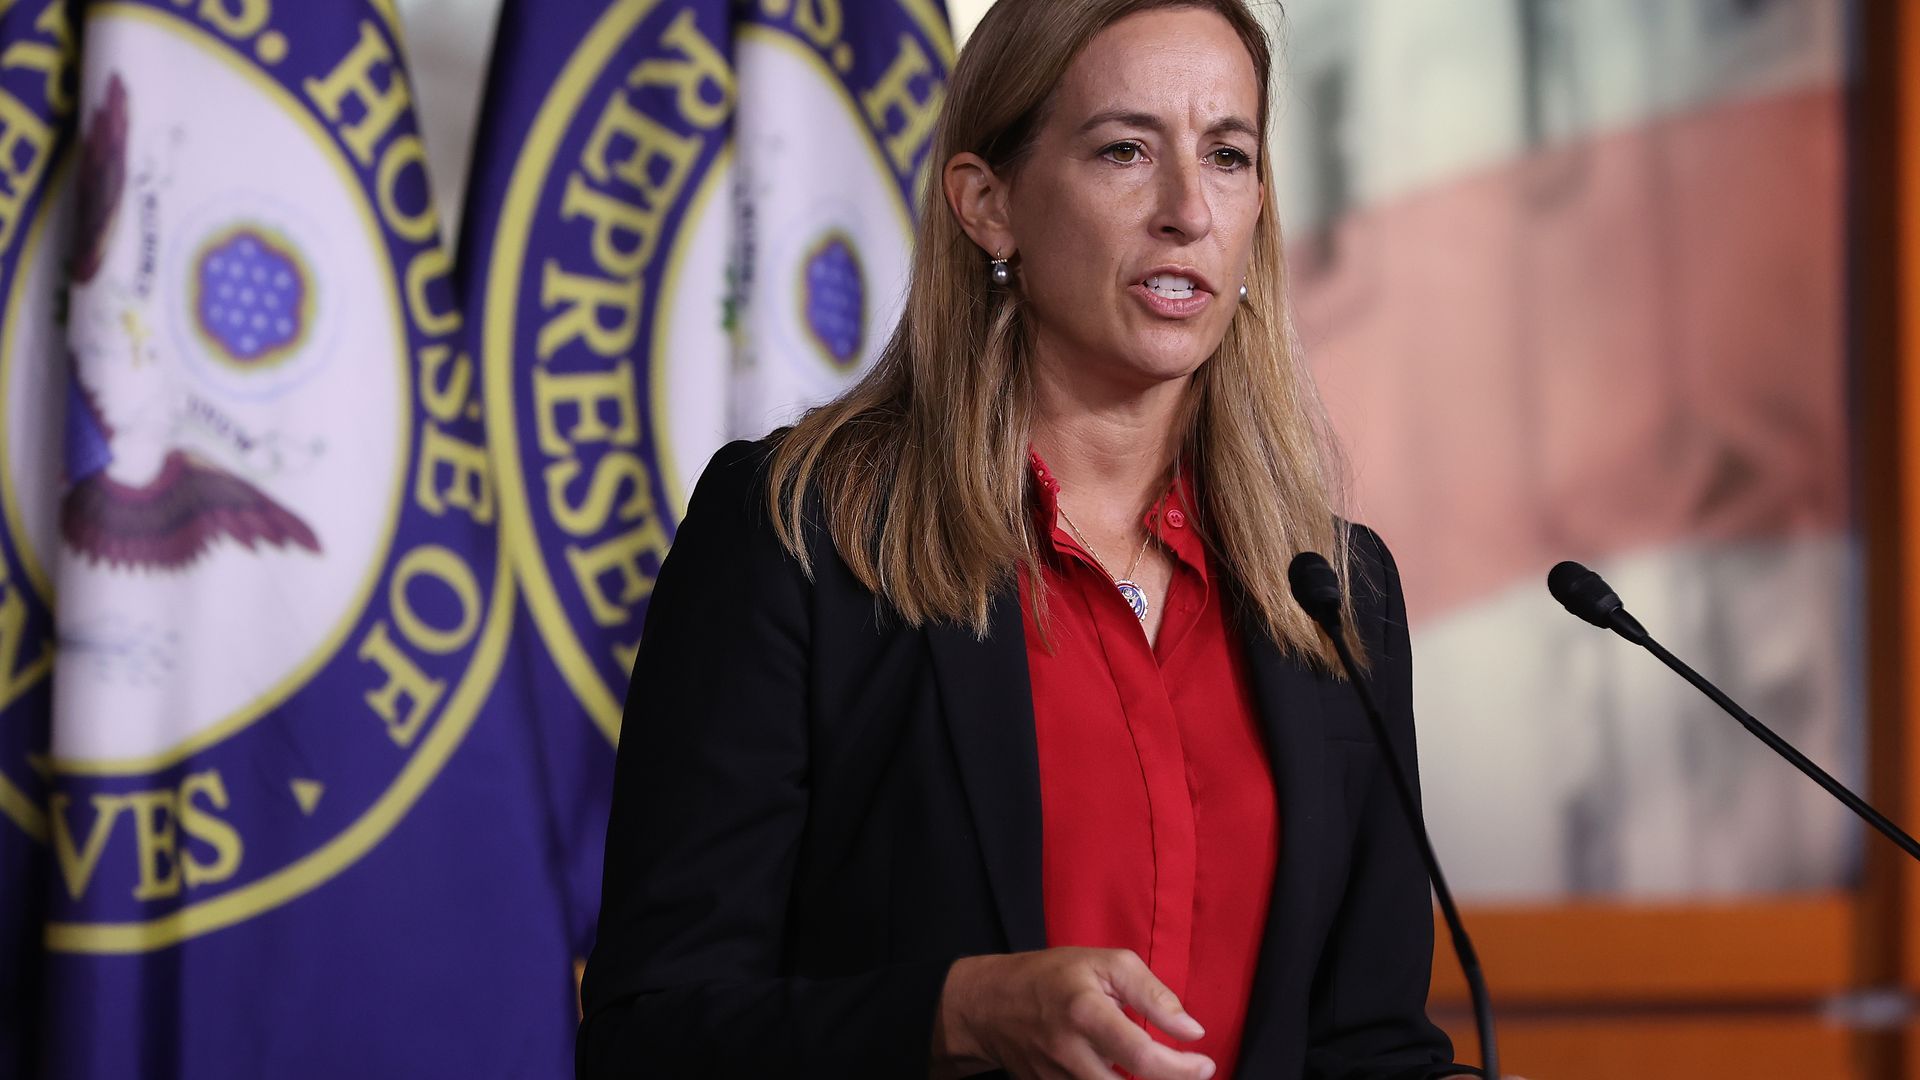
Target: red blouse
(1159, 824)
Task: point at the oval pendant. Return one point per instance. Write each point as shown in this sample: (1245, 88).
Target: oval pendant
(1135, 597)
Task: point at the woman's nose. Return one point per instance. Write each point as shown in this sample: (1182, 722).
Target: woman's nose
(1183, 211)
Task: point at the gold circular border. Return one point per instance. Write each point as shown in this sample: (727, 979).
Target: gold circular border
(310, 871)
(515, 219)
(665, 463)
(669, 473)
(14, 803)
(9, 320)
(329, 646)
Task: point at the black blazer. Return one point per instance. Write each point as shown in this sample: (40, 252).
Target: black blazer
(818, 809)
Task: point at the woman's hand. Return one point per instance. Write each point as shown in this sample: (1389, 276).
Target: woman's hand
(1056, 1014)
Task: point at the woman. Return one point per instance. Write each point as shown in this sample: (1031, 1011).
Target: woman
(978, 730)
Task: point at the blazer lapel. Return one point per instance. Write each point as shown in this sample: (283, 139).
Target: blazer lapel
(1287, 696)
(986, 693)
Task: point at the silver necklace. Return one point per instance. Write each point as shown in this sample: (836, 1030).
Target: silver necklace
(1133, 594)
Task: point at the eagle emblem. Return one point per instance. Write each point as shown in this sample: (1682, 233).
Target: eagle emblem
(137, 497)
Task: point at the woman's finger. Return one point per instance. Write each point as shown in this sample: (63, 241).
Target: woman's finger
(1118, 1040)
(1157, 1062)
(1084, 1063)
(1136, 985)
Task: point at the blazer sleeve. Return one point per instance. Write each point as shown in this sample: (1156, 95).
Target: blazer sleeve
(1368, 1017)
(710, 800)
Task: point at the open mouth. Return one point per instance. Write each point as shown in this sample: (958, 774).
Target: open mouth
(1171, 286)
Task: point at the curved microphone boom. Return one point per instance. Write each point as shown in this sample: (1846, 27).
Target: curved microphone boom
(1587, 595)
(1316, 588)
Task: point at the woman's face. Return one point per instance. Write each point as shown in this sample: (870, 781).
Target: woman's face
(1134, 211)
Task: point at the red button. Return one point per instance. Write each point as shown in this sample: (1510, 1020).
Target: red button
(1176, 519)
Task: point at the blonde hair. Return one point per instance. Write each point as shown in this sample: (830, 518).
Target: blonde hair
(921, 468)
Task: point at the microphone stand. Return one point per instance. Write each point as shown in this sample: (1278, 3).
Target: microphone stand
(1628, 627)
(1410, 808)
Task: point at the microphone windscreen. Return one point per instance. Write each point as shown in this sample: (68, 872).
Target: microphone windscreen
(1315, 586)
(1584, 593)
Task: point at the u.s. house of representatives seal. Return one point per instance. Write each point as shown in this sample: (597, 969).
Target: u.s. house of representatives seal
(267, 524)
(707, 225)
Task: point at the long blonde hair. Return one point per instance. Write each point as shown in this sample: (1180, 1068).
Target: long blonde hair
(921, 468)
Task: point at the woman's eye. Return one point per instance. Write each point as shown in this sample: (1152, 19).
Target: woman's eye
(1125, 153)
(1228, 158)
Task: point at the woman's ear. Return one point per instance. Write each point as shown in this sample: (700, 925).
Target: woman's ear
(978, 197)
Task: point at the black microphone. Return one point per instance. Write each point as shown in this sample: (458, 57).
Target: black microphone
(1584, 593)
(1316, 588)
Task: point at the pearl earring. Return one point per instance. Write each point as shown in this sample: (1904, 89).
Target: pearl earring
(1243, 294)
(999, 273)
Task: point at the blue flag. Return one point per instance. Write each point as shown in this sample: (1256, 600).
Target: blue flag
(288, 796)
(686, 221)
(36, 110)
